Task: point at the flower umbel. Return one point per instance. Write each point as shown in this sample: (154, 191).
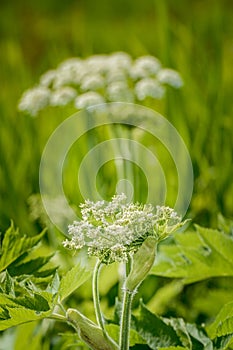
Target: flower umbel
(97, 79)
(112, 231)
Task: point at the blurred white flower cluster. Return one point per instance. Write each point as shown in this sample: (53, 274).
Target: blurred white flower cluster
(114, 230)
(100, 78)
(56, 206)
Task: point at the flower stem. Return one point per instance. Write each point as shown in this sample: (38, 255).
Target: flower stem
(125, 320)
(96, 301)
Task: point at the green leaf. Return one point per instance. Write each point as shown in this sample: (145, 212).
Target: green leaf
(38, 302)
(170, 333)
(8, 284)
(114, 330)
(72, 280)
(53, 287)
(6, 300)
(180, 328)
(196, 256)
(199, 339)
(223, 323)
(22, 315)
(154, 330)
(30, 267)
(14, 245)
(223, 343)
(24, 309)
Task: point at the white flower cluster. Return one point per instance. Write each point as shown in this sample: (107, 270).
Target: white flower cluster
(100, 78)
(113, 230)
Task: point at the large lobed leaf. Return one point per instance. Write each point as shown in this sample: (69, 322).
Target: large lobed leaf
(163, 333)
(14, 245)
(196, 256)
(21, 315)
(35, 305)
(15, 311)
(154, 331)
(25, 295)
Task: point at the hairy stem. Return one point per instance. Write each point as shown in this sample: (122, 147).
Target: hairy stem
(96, 300)
(95, 292)
(125, 320)
(126, 311)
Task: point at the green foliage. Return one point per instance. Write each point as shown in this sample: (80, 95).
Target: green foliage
(196, 256)
(153, 330)
(72, 280)
(223, 323)
(135, 338)
(15, 246)
(193, 37)
(22, 298)
(163, 333)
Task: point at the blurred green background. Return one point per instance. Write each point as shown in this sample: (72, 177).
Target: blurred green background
(194, 37)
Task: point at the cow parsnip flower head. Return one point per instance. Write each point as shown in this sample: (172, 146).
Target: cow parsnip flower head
(112, 231)
(116, 77)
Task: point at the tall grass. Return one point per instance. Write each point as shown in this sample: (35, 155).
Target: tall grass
(194, 37)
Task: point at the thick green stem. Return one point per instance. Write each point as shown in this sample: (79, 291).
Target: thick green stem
(57, 317)
(125, 320)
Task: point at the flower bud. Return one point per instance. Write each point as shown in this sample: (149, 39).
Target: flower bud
(89, 332)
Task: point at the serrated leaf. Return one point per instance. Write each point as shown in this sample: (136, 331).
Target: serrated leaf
(180, 328)
(154, 330)
(199, 338)
(14, 245)
(223, 323)
(196, 256)
(30, 267)
(223, 343)
(72, 280)
(37, 302)
(24, 309)
(8, 284)
(21, 315)
(6, 300)
(45, 273)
